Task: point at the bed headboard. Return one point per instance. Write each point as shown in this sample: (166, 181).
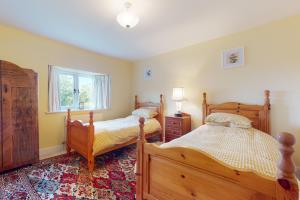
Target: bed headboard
(159, 106)
(258, 114)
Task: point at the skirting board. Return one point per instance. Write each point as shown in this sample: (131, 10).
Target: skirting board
(52, 151)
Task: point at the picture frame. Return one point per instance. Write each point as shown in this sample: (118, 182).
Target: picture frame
(147, 73)
(232, 58)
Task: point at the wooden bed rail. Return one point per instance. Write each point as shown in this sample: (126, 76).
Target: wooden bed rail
(81, 134)
(185, 165)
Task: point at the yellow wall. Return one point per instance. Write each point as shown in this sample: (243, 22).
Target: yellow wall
(272, 54)
(272, 62)
(35, 52)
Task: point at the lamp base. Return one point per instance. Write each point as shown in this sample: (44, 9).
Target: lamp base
(178, 114)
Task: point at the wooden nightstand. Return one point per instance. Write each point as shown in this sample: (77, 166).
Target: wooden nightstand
(177, 126)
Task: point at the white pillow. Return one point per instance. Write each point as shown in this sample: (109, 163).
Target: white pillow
(145, 112)
(235, 121)
(226, 124)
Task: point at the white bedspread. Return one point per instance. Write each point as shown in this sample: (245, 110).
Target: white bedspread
(118, 131)
(241, 149)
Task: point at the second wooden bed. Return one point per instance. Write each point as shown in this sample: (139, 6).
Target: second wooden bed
(80, 136)
(185, 173)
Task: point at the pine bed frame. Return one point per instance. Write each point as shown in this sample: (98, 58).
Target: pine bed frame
(185, 173)
(80, 137)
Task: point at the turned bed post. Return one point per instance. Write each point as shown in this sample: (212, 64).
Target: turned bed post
(267, 99)
(68, 131)
(161, 103)
(161, 118)
(91, 159)
(136, 104)
(139, 160)
(267, 107)
(204, 108)
(287, 187)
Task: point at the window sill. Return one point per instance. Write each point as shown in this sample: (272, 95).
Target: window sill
(78, 112)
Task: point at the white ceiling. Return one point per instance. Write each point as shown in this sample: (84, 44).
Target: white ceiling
(164, 25)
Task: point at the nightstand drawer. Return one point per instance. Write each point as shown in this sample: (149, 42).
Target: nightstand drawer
(173, 123)
(175, 133)
(173, 128)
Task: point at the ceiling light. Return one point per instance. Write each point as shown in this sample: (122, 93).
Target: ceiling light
(127, 19)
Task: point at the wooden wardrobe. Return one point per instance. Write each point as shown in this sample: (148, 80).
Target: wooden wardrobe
(19, 116)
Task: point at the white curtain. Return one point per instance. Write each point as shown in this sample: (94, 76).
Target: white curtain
(102, 91)
(53, 92)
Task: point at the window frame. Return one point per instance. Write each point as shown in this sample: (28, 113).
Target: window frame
(97, 99)
(76, 74)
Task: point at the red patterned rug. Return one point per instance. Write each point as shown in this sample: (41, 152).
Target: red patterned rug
(66, 178)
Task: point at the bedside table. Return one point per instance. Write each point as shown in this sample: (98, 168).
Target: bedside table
(177, 126)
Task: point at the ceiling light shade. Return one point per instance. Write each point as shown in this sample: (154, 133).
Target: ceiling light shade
(126, 18)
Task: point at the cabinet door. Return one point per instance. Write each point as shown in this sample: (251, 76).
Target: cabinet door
(19, 116)
(1, 151)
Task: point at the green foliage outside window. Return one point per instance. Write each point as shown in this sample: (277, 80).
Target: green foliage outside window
(67, 95)
(66, 90)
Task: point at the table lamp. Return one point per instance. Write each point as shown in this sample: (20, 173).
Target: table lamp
(178, 97)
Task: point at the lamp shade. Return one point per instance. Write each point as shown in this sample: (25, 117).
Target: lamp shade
(178, 94)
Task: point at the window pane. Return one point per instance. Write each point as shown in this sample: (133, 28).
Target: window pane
(66, 91)
(86, 85)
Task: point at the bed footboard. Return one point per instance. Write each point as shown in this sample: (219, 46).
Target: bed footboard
(80, 137)
(184, 173)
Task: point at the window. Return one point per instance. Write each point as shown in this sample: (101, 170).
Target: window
(78, 90)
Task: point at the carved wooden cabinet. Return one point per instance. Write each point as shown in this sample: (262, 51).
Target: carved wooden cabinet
(19, 121)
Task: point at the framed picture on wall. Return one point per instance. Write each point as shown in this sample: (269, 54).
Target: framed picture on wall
(233, 58)
(147, 73)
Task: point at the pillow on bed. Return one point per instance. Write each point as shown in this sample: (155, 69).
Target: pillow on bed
(235, 121)
(145, 112)
(226, 124)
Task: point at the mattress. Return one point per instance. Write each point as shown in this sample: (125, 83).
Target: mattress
(118, 131)
(242, 149)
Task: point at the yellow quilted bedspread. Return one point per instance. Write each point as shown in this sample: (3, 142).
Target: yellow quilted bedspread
(242, 149)
(119, 131)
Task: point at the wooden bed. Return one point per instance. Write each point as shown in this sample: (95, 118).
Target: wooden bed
(80, 137)
(185, 173)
